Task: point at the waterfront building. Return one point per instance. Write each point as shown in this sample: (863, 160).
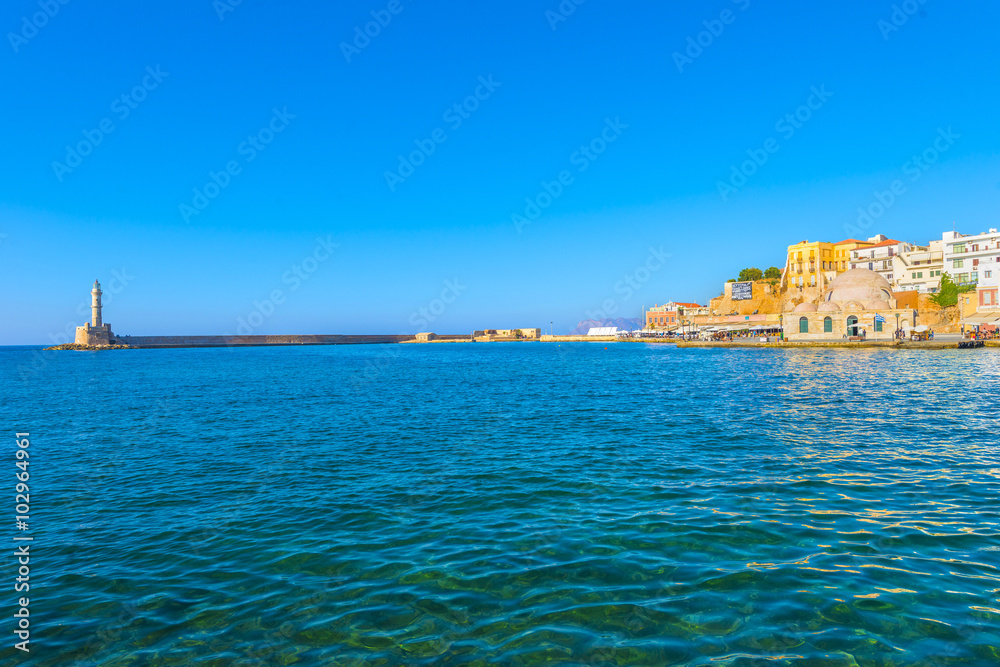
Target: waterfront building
(672, 314)
(808, 264)
(987, 291)
(879, 256)
(97, 332)
(981, 309)
(842, 253)
(497, 334)
(919, 269)
(819, 262)
(858, 299)
(969, 258)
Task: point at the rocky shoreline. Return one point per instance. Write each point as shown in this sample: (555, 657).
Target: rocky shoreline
(89, 348)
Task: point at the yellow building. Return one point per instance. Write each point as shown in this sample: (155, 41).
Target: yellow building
(842, 253)
(807, 263)
(818, 262)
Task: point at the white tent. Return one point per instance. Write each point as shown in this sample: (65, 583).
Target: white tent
(603, 331)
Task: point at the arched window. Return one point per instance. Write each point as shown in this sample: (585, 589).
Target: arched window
(827, 324)
(803, 325)
(878, 325)
(852, 326)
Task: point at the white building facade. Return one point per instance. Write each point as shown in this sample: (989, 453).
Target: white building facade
(973, 258)
(880, 256)
(919, 269)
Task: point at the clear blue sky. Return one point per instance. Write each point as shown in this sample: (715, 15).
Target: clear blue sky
(323, 175)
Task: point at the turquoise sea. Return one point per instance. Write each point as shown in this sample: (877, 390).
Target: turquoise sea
(510, 504)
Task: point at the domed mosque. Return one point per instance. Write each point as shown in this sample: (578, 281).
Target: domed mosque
(857, 300)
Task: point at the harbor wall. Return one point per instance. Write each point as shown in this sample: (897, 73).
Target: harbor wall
(248, 341)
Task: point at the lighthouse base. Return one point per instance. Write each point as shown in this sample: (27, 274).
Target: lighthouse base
(95, 336)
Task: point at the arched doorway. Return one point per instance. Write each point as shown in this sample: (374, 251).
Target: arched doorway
(852, 326)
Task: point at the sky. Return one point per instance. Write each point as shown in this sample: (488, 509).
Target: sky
(401, 166)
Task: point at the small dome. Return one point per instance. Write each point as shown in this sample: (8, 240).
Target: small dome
(852, 305)
(877, 304)
(805, 308)
(859, 285)
(829, 307)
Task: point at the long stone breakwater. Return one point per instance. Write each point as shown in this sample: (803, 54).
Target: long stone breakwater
(154, 342)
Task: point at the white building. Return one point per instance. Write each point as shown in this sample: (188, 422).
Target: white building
(919, 269)
(879, 257)
(973, 258)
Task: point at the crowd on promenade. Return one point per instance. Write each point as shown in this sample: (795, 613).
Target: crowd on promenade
(983, 334)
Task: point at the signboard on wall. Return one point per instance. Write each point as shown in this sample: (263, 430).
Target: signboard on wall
(742, 291)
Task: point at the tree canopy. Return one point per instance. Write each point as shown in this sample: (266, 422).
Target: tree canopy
(772, 273)
(948, 292)
(750, 274)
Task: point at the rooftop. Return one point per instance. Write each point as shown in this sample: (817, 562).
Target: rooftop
(885, 243)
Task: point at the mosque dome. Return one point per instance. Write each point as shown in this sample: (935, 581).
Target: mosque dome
(877, 304)
(828, 307)
(860, 285)
(805, 308)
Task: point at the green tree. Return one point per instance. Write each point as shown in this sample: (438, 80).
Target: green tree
(773, 273)
(731, 280)
(947, 294)
(750, 274)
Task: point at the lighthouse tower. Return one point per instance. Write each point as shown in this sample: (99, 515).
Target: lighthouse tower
(96, 332)
(95, 305)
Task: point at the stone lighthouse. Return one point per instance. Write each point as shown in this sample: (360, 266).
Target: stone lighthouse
(95, 333)
(95, 305)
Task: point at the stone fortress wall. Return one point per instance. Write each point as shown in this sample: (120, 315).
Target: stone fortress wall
(247, 341)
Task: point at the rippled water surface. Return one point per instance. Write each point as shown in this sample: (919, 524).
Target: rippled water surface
(516, 504)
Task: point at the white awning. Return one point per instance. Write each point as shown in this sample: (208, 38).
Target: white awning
(980, 319)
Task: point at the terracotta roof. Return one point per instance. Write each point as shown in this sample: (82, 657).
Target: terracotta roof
(886, 242)
(688, 305)
(852, 241)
